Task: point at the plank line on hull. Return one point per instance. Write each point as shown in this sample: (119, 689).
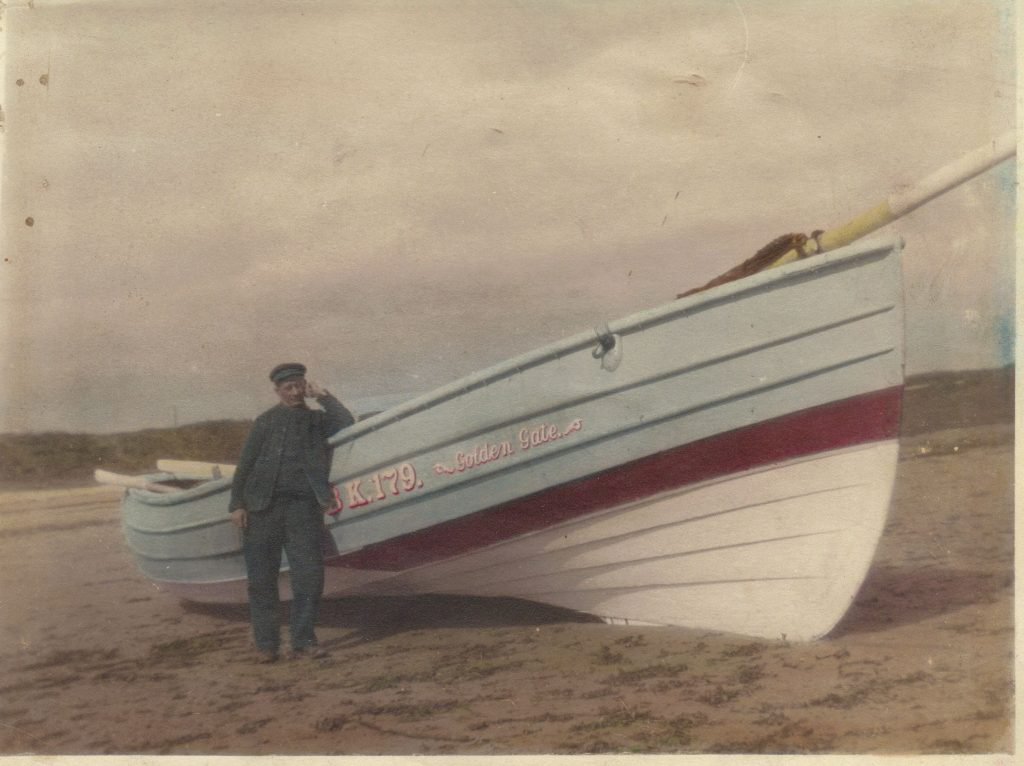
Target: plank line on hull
(552, 595)
(187, 527)
(680, 554)
(223, 554)
(585, 545)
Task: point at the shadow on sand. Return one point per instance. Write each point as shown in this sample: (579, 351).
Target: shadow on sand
(894, 596)
(373, 618)
(890, 597)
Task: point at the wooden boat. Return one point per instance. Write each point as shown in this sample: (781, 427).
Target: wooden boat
(724, 461)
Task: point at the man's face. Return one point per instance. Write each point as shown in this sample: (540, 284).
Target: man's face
(292, 391)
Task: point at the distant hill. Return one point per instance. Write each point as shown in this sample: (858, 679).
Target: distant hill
(932, 402)
(938, 401)
(48, 459)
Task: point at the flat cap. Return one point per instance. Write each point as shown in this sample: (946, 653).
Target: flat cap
(287, 370)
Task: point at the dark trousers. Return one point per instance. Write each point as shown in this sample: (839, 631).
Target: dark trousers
(295, 526)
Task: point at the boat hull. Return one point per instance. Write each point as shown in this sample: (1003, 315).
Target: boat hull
(723, 462)
(785, 565)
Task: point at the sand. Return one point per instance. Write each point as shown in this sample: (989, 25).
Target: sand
(96, 660)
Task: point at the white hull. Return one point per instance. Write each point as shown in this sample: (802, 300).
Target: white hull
(776, 552)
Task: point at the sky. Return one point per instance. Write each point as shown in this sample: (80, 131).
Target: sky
(398, 194)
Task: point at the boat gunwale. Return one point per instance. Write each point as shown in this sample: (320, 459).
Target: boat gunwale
(638, 321)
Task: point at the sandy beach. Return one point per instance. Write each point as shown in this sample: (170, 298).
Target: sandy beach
(95, 660)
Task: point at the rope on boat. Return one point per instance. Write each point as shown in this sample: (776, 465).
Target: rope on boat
(764, 258)
(605, 340)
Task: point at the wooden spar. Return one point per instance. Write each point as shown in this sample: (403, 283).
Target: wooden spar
(135, 482)
(196, 469)
(899, 203)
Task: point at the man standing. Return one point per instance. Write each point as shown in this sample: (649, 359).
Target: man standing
(279, 494)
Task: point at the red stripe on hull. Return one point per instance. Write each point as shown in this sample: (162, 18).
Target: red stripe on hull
(859, 420)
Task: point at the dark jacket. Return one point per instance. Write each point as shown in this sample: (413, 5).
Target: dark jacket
(253, 485)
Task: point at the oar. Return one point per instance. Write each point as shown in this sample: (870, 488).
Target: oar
(135, 482)
(899, 203)
(196, 469)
